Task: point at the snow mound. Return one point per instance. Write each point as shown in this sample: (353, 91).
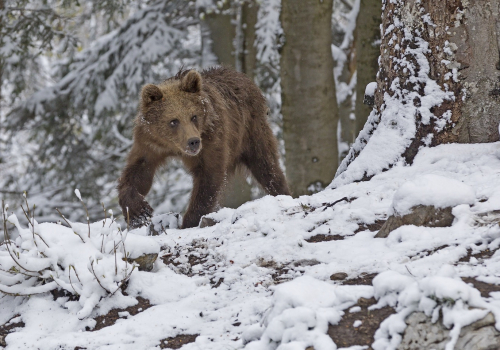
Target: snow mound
(302, 310)
(435, 190)
(88, 261)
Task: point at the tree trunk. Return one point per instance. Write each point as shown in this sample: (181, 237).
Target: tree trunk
(309, 105)
(233, 45)
(249, 54)
(344, 56)
(438, 82)
(2, 5)
(367, 52)
(219, 34)
(239, 190)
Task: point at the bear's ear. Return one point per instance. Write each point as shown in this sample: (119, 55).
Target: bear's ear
(150, 93)
(191, 82)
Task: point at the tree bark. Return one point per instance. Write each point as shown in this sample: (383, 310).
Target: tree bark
(2, 5)
(249, 20)
(220, 32)
(438, 82)
(367, 52)
(309, 105)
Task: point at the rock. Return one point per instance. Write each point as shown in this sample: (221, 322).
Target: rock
(160, 223)
(422, 334)
(207, 221)
(421, 215)
(339, 276)
(145, 261)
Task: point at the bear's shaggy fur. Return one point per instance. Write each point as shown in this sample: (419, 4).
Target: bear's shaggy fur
(213, 121)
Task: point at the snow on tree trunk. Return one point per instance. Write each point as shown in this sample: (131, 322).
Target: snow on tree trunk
(437, 83)
(309, 104)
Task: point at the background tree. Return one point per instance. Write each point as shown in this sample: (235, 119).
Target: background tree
(309, 103)
(344, 35)
(367, 53)
(437, 83)
(228, 33)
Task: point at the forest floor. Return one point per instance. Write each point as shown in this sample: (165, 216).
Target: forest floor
(297, 273)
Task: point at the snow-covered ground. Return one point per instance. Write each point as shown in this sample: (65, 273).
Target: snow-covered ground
(254, 281)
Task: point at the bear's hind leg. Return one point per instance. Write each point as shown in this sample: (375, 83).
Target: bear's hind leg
(261, 158)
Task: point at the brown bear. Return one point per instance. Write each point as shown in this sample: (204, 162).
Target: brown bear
(214, 121)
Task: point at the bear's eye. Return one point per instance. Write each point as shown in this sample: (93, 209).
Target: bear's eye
(194, 119)
(174, 123)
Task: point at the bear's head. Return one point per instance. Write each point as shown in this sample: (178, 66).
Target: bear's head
(172, 115)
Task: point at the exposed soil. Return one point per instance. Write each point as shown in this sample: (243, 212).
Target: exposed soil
(8, 328)
(62, 293)
(484, 288)
(371, 227)
(423, 253)
(178, 341)
(484, 254)
(195, 256)
(363, 279)
(345, 334)
(111, 317)
(344, 199)
(324, 238)
(216, 284)
(362, 227)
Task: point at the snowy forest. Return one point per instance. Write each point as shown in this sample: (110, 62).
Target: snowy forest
(386, 115)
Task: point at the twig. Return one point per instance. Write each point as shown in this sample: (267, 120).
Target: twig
(25, 195)
(116, 265)
(63, 217)
(409, 271)
(71, 283)
(76, 273)
(29, 220)
(70, 225)
(77, 192)
(97, 278)
(102, 243)
(17, 271)
(125, 279)
(329, 205)
(112, 220)
(105, 214)
(124, 250)
(8, 239)
(128, 220)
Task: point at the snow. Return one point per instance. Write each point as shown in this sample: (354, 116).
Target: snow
(370, 89)
(431, 189)
(231, 298)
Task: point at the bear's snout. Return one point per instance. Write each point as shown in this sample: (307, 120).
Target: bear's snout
(193, 145)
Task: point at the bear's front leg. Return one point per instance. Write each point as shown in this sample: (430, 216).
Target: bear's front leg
(136, 210)
(134, 184)
(207, 188)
